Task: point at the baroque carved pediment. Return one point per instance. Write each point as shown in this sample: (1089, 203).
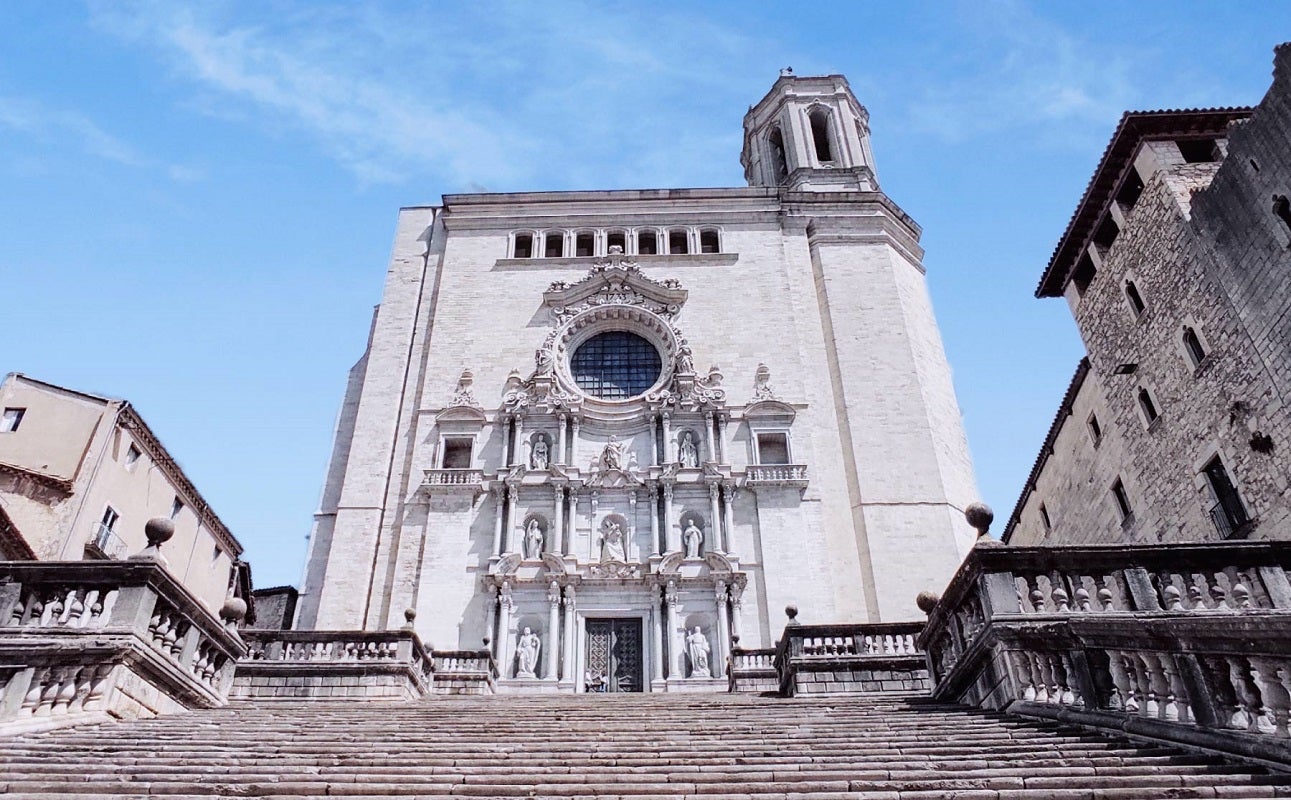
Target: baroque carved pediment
(614, 280)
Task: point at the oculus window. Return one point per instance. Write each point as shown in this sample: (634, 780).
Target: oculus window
(616, 365)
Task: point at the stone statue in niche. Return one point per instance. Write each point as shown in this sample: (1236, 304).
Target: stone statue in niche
(533, 540)
(615, 454)
(687, 452)
(612, 542)
(697, 649)
(527, 654)
(538, 459)
(692, 537)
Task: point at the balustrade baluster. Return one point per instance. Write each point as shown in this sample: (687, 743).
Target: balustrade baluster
(1035, 595)
(1059, 596)
(1218, 592)
(1120, 681)
(1070, 695)
(31, 700)
(1171, 598)
(1104, 594)
(1271, 676)
(1248, 701)
(1082, 600)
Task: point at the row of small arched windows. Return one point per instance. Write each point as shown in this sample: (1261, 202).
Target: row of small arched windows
(639, 241)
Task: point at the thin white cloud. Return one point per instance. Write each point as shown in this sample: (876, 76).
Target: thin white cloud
(49, 124)
(501, 94)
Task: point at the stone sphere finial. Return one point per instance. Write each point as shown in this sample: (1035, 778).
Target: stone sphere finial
(487, 640)
(159, 530)
(233, 611)
(791, 611)
(980, 516)
(927, 601)
(409, 614)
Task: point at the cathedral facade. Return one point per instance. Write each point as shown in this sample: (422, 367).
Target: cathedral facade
(612, 434)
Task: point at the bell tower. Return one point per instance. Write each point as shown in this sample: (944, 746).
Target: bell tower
(809, 134)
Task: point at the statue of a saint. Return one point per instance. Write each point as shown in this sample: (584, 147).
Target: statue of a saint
(538, 458)
(687, 452)
(614, 456)
(692, 537)
(527, 654)
(685, 358)
(533, 540)
(543, 361)
(612, 543)
(697, 649)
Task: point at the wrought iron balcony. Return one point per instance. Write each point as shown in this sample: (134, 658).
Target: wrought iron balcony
(107, 542)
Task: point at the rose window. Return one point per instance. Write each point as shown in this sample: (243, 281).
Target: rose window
(616, 365)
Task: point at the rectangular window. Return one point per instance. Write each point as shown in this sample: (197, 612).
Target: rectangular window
(176, 506)
(1228, 514)
(1148, 406)
(617, 239)
(457, 452)
(1095, 430)
(524, 246)
(647, 243)
(773, 448)
(132, 457)
(110, 517)
(1044, 518)
(12, 419)
(1084, 274)
(709, 242)
(1122, 501)
(584, 244)
(678, 243)
(1192, 344)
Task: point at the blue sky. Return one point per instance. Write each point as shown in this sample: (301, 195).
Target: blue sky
(197, 202)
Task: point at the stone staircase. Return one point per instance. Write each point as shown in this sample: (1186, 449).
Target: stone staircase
(609, 746)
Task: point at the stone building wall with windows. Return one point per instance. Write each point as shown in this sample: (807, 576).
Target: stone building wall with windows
(1177, 271)
(80, 475)
(621, 416)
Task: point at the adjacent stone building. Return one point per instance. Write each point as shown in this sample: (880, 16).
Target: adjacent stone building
(80, 475)
(1177, 269)
(610, 433)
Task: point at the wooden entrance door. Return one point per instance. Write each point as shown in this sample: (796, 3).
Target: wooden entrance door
(613, 656)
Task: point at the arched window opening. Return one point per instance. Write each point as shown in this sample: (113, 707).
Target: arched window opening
(1148, 405)
(616, 239)
(678, 243)
(555, 245)
(523, 246)
(647, 243)
(779, 166)
(585, 244)
(709, 242)
(820, 135)
(1136, 299)
(1282, 210)
(1191, 343)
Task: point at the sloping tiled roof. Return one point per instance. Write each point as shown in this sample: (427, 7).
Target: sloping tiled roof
(1134, 127)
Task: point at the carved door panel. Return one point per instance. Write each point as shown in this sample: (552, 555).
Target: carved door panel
(613, 656)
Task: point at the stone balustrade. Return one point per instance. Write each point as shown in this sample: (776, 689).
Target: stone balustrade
(1190, 643)
(121, 639)
(465, 672)
(752, 671)
(865, 657)
(453, 480)
(295, 665)
(792, 475)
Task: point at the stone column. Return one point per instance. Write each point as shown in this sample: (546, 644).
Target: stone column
(499, 495)
(708, 437)
(737, 608)
(573, 523)
(504, 644)
(560, 440)
(632, 528)
(508, 441)
(490, 617)
(513, 496)
(676, 669)
(571, 635)
(728, 503)
(656, 631)
(722, 646)
(573, 445)
(520, 456)
(556, 536)
(670, 532)
(667, 436)
(654, 440)
(722, 458)
(553, 628)
(716, 538)
(654, 519)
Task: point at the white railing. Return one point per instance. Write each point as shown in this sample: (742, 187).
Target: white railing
(454, 479)
(108, 543)
(777, 474)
